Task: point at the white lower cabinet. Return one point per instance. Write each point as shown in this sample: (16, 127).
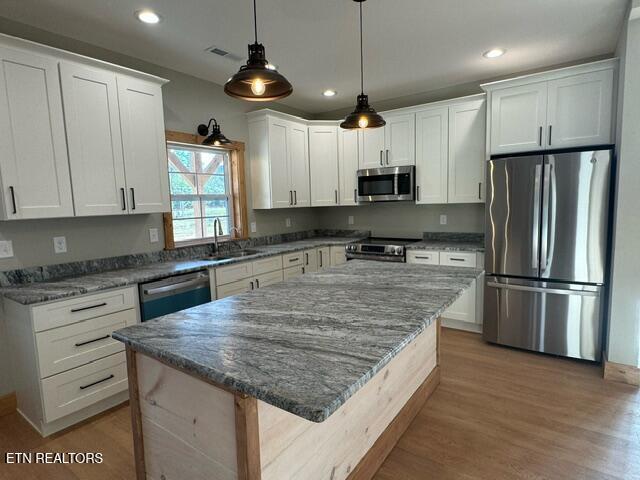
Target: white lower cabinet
(466, 312)
(324, 258)
(66, 365)
(310, 260)
(292, 272)
(338, 255)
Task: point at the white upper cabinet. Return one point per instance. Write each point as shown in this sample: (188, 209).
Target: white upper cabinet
(323, 156)
(570, 107)
(467, 133)
(580, 110)
(299, 164)
(34, 167)
(95, 146)
(144, 145)
(279, 159)
(518, 118)
(432, 156)
(372, 148)
(348, 156)
(399, 140)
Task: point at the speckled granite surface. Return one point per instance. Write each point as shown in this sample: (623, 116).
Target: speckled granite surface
(450, 242)
(69, 286)
(305, 345)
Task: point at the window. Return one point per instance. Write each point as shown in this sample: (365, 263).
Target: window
(200, 186)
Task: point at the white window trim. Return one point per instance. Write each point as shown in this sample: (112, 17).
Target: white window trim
(227, 196)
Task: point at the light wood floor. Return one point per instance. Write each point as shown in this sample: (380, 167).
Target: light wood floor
(498, 414)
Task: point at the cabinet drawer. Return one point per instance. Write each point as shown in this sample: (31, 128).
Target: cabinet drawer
(81, 387)
(267, 265)
(234, 288)
(64, 348)
(233, 273)
(424, 257)
(293, 272)
(66, 312)
(292, 259)
(269, 279)
(458, 259)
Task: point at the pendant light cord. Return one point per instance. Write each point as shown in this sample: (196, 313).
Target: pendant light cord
(255, 21)
(361, 55)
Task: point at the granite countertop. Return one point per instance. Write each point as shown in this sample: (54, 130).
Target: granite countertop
(447, 246)
(308, 344)
(39, 292)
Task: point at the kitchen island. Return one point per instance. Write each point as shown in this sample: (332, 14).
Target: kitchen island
(316, 377)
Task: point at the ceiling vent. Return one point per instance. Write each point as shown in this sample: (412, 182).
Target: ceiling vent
(223, 53)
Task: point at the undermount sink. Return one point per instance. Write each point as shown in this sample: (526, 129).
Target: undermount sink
(227, 256)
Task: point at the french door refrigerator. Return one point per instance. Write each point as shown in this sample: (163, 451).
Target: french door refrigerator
(546, 251)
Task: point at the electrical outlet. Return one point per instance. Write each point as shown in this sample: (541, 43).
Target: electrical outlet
(443, 219)
(6, 249)
(287, 222)
(254, 227)
(153, 235)
(60, 244)
(350, 220)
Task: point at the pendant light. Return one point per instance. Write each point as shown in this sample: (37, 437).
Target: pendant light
(258, 80)
(216, 138)
(364, 116)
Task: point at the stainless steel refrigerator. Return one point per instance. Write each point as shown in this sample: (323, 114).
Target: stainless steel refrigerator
(546, 251)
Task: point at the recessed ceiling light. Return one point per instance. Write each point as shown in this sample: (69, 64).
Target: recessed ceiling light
(494, 53)
(148, 16)
(329, 92)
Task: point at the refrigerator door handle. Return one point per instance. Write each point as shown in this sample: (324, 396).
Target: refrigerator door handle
(557, 291)
(544, 247)
(535, 240)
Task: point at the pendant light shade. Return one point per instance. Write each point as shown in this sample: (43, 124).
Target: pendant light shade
(216, 138)
(257, 81)
(364, 115)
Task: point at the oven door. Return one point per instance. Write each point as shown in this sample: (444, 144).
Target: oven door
(386, 184)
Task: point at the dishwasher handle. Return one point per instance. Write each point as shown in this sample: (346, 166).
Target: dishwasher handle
(172, 287)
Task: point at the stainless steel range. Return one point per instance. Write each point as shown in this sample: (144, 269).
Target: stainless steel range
(377, 248)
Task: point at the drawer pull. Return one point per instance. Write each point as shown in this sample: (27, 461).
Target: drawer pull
(424, 258)
(453, 259)
(97, 382)
(294, 259)
(91, 341)
(74, 310)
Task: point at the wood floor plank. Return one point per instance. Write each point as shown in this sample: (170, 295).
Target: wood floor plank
(499, 413)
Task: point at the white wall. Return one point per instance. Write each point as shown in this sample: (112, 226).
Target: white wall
(624, 322)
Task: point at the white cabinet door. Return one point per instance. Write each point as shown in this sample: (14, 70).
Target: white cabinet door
(518, 118)
(400, 140)
(281, 193)
(467, 135)
(464, 308)
(323, 157)
(144, 146)
(310, 261)
(34, 166)
(432, 127)
(299, 164)
(348, 151)
(338, 255)
(324, 258)
(372, 148)
(92, 119)
(580, 110)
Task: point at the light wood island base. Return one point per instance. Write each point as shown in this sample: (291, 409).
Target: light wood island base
(188, 429)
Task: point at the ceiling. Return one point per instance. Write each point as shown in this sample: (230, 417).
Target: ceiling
(411, 46)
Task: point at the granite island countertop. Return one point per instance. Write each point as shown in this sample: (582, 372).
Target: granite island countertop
(308, 344)
(38, 292)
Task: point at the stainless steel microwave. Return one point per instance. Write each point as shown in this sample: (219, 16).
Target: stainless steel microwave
(386, 184)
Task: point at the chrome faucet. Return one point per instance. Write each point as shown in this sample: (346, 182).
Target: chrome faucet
(217, 230)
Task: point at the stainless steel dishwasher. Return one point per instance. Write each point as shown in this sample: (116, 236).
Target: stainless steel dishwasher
(173, 294)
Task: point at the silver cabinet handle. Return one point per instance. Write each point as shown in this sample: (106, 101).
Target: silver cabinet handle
(535, 235)
(387, 154)
(479, 190)
(550, 127)
(79, 344)
(381, 163)
(336, 196)
(133, 199)
(558, 291)
(13, 200)
(96, 383)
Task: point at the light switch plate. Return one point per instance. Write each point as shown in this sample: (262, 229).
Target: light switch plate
(287, 222)
(153, 235)
(350, 220)
(254, 227)
(443, 219)
(60, 244)
(6, 249)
